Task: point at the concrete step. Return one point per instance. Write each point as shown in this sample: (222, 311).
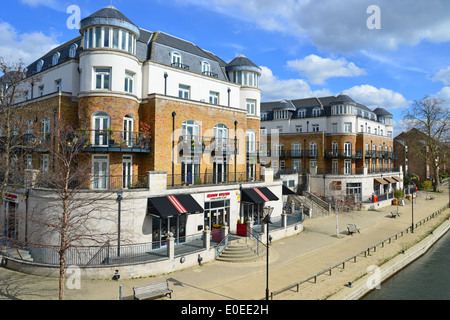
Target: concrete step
(240, 252)
(19, 254)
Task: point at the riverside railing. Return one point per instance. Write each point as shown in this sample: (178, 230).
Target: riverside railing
(353, 258)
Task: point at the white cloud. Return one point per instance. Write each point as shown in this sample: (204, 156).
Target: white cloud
(342, 25)
(273, 89)
(444, 96)
(373, 97)
(25, 46)
(318, 69)
(443, 75)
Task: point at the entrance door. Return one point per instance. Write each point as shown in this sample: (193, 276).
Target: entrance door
(100, 172)
(127, 171)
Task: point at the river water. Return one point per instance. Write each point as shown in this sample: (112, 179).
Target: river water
(427, 278)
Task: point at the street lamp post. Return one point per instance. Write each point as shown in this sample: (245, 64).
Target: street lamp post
(267, 212)
(119, 199)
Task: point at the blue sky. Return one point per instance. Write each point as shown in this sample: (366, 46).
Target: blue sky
(305, 48)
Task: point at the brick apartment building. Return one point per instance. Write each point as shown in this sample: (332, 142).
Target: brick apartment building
(117, 80)
(411, 149)
(346, 147)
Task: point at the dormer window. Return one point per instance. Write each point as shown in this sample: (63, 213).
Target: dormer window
(55, 58)
(316, 112)
(73, 51)
(301, 113)
(175, 59)
(206, 68)
(40, 65)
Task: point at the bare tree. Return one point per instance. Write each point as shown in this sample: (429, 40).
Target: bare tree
(432, 120)
(15, 128)
(74, 214)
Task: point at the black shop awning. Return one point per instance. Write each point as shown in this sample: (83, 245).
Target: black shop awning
(258, 195)
(287, 191)
(171, 206)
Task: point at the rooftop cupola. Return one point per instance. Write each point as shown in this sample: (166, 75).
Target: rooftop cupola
(243, 71)
(109, 28)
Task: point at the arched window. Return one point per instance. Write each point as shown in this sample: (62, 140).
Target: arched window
(316, 112)
(301, 113)
(206, 68)
(55, 59)
(73, 51)
(175, 59)
(40, 65)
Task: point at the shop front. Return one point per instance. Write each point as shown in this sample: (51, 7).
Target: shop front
(169, 215)
(253, 202)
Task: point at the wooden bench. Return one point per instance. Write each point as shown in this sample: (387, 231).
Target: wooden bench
(352, 229)
(152, 291)
(395, 214)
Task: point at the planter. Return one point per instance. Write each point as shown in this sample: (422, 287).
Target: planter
(241, 229)
(216, 235)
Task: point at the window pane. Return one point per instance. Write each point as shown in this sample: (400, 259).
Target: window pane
(106, 38)
(124, 40)
(116, 38)
(98, 37)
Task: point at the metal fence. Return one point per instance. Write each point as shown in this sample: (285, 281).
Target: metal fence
(353, 258)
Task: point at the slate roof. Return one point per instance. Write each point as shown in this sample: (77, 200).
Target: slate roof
(382, 112)
(108, 12)
(309, 104)
(155, 46)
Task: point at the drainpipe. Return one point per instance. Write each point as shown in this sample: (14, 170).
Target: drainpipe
(173, 148)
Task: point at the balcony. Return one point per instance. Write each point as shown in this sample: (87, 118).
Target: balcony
(296, 153)
(180, 65)
(343, 154)
(115, 141)
(221, 146)
(311, 153)
(210, 74)
(191, 145)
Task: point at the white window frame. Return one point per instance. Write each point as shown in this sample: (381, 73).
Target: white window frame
(184, 91)
(99, 158)
(347, 127)
(214, 97)
(347, 166)
(251, 106)
(45, 163)
(102, 77)
(55, 58)
(206, 68)
(175, 59)
(315, 128)
(129, 82)
(316, 112)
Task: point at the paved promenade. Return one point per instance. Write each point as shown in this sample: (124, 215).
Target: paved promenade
(291, 260)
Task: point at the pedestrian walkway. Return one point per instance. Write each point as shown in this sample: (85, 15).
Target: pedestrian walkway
(323, 243)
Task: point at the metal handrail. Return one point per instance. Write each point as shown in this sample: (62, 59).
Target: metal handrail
(223, 245)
